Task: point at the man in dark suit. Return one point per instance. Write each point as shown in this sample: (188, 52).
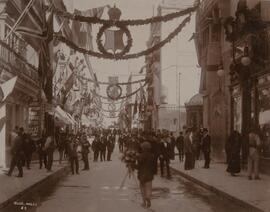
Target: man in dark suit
(180, 146)
(96, 147)
(17, 155)
(206, 147)
(40, 150)
(102, 145)
(145, 167)
(85, 151)
(154, 141)
(165, 154)
(73, 156)
(29, 148)
(110, 146)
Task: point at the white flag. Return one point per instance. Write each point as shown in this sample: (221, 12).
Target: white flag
(7, 88)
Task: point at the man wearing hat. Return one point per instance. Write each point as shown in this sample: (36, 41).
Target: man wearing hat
(206, 147)
(145, 167)
(165, 153)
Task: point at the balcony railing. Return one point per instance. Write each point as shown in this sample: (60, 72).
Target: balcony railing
(17, 62)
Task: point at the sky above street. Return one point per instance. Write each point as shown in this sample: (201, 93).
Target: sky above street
(180, 52)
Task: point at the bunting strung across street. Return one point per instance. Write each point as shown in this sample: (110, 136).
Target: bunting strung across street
(108, 83)
(122, 55)
(114, 47)
(122, 97)
(110, 111)
(107, 103)
(110, 117)
(136, 22)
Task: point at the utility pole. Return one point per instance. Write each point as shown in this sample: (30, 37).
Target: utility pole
(179, 96)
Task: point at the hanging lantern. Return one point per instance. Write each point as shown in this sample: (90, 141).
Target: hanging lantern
(220, 71)
(245, 60)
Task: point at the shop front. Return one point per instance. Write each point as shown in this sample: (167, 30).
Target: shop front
(259, 116)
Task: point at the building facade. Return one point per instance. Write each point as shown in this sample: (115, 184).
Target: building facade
(169, 118)
(213, 51)
(232, 43)
(17, 58)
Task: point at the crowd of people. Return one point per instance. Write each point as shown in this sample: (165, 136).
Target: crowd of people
(152, 151)
(69, 146)
(156, 149)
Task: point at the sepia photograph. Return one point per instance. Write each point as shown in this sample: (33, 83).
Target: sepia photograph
(134, 105)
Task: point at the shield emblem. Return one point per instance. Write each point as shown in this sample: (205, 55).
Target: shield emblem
(112, 107)
(114, 91)
(114, 40)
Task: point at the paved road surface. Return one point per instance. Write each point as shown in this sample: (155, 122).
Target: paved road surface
(99, 191)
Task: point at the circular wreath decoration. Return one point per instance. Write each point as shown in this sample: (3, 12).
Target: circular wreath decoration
(127, 46)
(109, 94)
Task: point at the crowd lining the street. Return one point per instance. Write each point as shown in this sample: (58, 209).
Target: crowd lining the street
(141, 150)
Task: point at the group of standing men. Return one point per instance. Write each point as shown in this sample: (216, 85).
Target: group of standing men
(192, 144)
(163, 144)
(155, 150)
(103, 145)
(69, 145)
(22, 148)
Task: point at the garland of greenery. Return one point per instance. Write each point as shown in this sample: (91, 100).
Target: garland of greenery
(107, 103)
(108, 111)
(128, 56)
(110, 117)
(108, 83)
(101, 46)
(135, 22)
(123, 97)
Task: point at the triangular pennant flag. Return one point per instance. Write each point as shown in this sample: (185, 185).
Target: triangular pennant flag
(7, 88)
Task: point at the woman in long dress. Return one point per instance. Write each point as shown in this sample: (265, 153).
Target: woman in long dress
(233, 149)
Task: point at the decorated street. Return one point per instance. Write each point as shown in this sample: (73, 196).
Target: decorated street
(134, 105)
(102, 189)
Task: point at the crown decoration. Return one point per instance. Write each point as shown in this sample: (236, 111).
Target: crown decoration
(114, 13)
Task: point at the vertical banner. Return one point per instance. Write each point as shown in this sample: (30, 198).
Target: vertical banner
(128, 106)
